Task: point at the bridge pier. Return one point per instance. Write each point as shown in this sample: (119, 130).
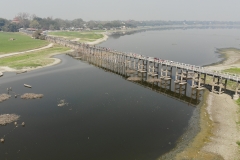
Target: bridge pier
(236, 95)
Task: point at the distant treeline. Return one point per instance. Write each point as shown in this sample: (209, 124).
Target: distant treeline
(25, 20)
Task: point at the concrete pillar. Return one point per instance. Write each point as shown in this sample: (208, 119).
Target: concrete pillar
(199, 80)
(236, 96)
(147, 68)
(225, 84)
(176, 74)
(159, 70)
(205, 76)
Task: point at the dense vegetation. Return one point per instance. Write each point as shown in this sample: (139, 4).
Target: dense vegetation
(26, 20)
(16, 42)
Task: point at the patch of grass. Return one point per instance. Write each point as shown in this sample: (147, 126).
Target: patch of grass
(84, 36)
(233, 70)
(21, 42)
(238, 143)
(238, 101)
(32, 59)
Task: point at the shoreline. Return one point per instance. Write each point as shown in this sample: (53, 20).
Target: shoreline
(55, 62)
(98, 41)
(231, 59)
(213, 130)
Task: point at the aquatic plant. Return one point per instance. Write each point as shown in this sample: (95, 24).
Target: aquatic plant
(8, 118)
(4, 97)
(31, 96)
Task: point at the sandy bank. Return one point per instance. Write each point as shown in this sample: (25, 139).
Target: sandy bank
(105, 37)
(223, 113)
(216, 119)
(231, 60)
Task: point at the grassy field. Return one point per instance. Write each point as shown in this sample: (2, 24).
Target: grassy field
(83, 36)
(233, 70)
(21, 42)
(33, 59)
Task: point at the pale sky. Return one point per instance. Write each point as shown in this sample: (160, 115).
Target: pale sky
(221, 10)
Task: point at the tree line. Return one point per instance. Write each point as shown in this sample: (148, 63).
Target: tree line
(26, 20)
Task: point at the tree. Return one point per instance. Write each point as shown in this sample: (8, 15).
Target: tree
(38, 35)
(34, 24)
(100, 26)
(23, 18)
(91, 24)
(11, 27)
(78, 23)
(3, 22)
(51, 27)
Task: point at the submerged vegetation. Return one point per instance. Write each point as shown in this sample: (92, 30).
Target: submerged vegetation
(8, 118)
(31, 96)
(17, 42)
(4, 97)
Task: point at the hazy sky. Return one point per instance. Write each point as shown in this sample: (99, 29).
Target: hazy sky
(223, 10)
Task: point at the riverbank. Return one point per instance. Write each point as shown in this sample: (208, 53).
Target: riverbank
(36, 59)
(213, 131)
(224, 113)
(105, 37)
(231, 59)
(87, 37)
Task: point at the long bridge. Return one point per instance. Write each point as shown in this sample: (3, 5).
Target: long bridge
(155, 70)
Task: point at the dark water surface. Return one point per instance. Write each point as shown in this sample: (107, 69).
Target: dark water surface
(107, 116)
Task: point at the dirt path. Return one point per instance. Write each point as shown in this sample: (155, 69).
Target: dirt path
(16, 53)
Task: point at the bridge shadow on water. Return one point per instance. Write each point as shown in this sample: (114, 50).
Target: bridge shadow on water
(184, 93)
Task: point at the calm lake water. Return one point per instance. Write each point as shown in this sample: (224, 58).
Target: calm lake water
(107, 117)
(192, 46)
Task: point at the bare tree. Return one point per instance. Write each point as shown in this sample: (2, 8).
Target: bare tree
(23, 18)
(32, 17)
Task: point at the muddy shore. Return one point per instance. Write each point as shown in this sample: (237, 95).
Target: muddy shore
(213, 129)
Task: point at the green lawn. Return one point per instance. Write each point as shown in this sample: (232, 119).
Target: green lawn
(21, 42)
(84, 36)
(32, 59)
(233, 70)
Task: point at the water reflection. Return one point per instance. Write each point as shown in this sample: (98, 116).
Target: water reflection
(167, 87)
